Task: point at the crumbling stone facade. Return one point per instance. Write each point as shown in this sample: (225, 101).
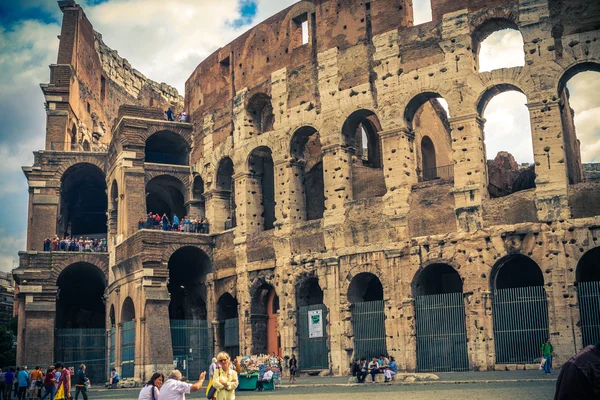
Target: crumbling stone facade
(309, 162)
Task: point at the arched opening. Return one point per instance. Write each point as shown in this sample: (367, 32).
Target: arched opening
(311, 325)
(365, 293)
(579, 106)
(112, 338)
(114, 202)
(225, 195)
(361, 137)
(440, 319)
(265, 311)
(508, 140)
(519, 309)
(227, 315)
(74, 137)
(166, 147)
(588, 295)
(128, 338)
(307, 168)
(83, 202)
(80, 317)
(198, 203)
(260, 166)
(191, 332)
(86, 146)
(260, 113)
(164, 195)
(497, 43)
(427, 116)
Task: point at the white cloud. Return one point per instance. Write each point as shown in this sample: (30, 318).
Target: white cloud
(502, 49)
(10, 244)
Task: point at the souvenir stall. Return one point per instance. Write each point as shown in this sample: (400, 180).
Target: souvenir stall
(253, 369)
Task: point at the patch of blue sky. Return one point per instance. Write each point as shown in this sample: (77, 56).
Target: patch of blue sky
(247, 9)
(43, 10)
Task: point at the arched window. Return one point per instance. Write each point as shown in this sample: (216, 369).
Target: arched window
(260, 166)
(264, 310)
(226, 195)
(228, 328)
(260, 113)
(86, 146)
(305, 149)
(428, 159)
(83, 202)
(198, 202)
(166, 147)
(508, 140)
(498, 43)
(164, 195)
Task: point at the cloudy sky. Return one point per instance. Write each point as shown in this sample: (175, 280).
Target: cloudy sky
(166, 40)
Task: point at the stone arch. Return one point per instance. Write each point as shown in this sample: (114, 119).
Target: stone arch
(308, 290)
(80, 296)
(487, 25)
(588, 299)
(128, 310)
(166, 195)
(428, 160)
(100, 261)
(197, 199)
(514, 271)
(128, 335)
(228, 327)
(166, 147)
(262, 178)
(365, 286)
(264, 311)
(588, 266)
(360, 132)
(82, 159)
(436, 278)
(259, 111)
(185, 134)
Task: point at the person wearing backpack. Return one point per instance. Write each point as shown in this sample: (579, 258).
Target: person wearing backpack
(81, 380)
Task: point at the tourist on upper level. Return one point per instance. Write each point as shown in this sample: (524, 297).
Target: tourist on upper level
(175, 222)
(183, 117)
(141, 224)
(165, 222)
(170, 115)
(156, 221)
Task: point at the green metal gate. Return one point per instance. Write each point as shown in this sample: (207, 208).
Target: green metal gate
(192, 346)
(368, 323)
(314, 353)
(231, 341)
(520, 324)
(128, 349)
(111, 349)
(588, 294)
(88, 346)
(441, 333)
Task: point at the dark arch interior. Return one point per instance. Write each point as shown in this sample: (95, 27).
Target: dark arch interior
(306, 150)
(166, 147)
(128, 310)
(309, 292)
(428, 159)
(260, 164)
(198, 188)
(80, 297)
(164, 195)
(113, 320)
(262, 316)
(260, 112)
(588, 267)
(227, 307)
(260, 300)
(188, 267)
(225, 184)
(516, 271)
(360, 132)
(437, 279)
(365, 287)
(83, 202)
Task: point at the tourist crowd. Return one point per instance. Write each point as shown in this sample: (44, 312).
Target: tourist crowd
(169, 115)
(74, 244)
(382, 365)
(185, 224)
(56, 383)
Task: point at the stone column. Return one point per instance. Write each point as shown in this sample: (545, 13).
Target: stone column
(480, 335)
(288, 320)
(196, 208)
(43, 216)
(35, 335)
(410, 335)
(217, 209)
(550, 161)
(470, 170)
(337, 171)
(337, 317)
(134, 200)
(248, 197)
(289, 192)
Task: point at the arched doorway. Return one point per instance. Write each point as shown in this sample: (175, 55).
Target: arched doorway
(128, 339)
(166, 147)
(260, 166)
(440, 320)
(428, 159)
(83, 202)
(307, 166)
(198, 202)
(191, 332)
(229, 331)
(519, 309)
(365, 295)
(80, 334)
(164, 195)
(265, 311)
(311, 324)
(588, 294)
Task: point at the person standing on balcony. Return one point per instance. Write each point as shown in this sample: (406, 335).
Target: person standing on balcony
(170, 114)
(165, 222)
(175, 223)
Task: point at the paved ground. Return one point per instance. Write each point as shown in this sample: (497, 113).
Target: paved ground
(530, 390)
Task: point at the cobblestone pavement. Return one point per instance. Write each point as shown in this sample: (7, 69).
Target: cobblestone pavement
(537, 390)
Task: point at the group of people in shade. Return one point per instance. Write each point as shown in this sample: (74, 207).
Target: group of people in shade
(74, 244)
(185, 224)
(169, 115)
(382, 365)
(55, 383)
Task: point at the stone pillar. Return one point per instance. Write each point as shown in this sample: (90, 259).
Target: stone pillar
(43, 216)
(478, 322)
(337, 171)
(243, 298)
(195, 208)
(133, 204)
(410, 334)
(287, 321)
(35, 335)
(249, 200)
(217, 209)
(550, 161)
(336, 319)
(470, 170)
(289, 192)
(156, 328)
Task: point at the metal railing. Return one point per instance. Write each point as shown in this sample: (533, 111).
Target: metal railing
(166, 158)
(444, 172)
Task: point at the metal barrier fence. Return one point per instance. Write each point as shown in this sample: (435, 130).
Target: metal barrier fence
(368, 323)
(441, 333)
(520, 324)
(588, 294)
(192, 346)
(128, 349)
(74, 347)
(313, 351)
(232, 337)
(444, 172)
(166, 158)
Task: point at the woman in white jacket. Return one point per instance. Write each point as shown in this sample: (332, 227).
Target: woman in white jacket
(151, 389)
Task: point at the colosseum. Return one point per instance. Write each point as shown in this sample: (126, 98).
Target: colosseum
(335, 185)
